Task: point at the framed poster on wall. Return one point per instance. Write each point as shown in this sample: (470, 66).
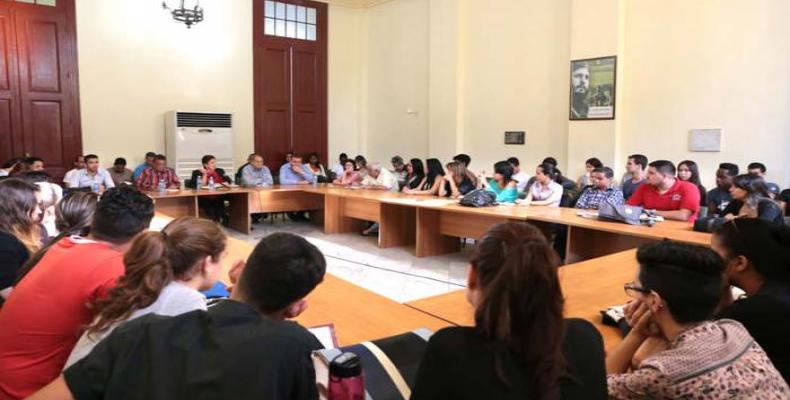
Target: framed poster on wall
(593, 87)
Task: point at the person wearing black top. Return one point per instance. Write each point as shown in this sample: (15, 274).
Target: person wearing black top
(750, 199)
(456, 181)
(520, 346)
(689, 172)
(758, 261)
(20, 215)
(241, 348)
(415, 174)
(719, 197)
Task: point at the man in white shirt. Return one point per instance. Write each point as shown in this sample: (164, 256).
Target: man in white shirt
(519, 176)
(79, 163)
(337, 169)
(98, 179)
(380, 178)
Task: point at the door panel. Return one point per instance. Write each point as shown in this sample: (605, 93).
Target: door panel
(10, 116)
(290, 89)
(48, 93)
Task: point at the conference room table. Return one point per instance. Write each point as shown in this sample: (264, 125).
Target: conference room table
(588, 286)
(431, 224)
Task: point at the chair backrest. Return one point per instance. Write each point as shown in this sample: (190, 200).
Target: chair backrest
(703, 212)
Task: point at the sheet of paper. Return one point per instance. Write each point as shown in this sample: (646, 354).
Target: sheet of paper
(326, 335)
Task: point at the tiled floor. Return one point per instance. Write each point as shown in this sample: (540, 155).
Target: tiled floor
(395, 273)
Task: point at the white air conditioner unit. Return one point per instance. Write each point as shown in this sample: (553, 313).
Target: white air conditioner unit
(191, 135)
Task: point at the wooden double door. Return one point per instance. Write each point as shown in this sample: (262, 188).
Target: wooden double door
(290, 78)
(39, 98)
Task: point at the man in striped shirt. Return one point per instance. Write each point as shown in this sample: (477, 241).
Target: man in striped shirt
(150, 178)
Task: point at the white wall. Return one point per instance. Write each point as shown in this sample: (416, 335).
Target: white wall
(136, 63)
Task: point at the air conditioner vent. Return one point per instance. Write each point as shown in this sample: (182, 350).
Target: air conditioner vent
(203, 120)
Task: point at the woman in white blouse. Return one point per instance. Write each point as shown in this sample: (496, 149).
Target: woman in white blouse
(545, 191)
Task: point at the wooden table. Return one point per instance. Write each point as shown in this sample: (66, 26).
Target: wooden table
(357, 314)
(589, 287)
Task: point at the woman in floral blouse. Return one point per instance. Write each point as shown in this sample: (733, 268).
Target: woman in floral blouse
(685, 354)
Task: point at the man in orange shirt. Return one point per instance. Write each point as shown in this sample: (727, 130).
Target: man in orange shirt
(44, 316)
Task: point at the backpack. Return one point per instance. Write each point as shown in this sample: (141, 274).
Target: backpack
(479, 198)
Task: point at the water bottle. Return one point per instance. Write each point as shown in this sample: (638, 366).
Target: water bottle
(162, 185)
(346, 381)
(211, 185)
(95, 187)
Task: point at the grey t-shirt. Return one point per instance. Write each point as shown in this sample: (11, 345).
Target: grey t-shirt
(176, 298)
(629, 186)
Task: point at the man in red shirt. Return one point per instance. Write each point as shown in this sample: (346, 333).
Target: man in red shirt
(44, 317)
(669, 196)
(150, 178)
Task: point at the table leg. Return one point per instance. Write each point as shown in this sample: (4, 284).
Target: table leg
(397, 227)
(430, 241)
(240, 212)
(183, 206)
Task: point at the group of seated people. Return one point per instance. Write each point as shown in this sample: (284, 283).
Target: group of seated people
(110, 310)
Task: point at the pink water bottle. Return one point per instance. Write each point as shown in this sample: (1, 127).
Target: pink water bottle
(346, 381)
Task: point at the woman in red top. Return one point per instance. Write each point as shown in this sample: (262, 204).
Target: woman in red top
(213, 206)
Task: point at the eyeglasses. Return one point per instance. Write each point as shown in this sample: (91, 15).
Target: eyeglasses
(633, 291)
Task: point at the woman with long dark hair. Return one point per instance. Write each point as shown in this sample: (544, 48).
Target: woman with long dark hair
(589, 165)
(520, 346)
(750, 199)
(689, 171)
(415, 174)
(318, 169)
(164, 273)
(433, 179)
(20, 214)
(545, 191)
(73, 217)
(502, 184)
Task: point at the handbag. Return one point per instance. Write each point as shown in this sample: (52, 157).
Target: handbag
(479, 198)
(620, 213)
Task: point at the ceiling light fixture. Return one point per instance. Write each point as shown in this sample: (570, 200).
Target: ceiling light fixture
(188, 16)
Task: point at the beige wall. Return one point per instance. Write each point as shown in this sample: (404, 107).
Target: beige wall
(136, 63)
(467, 74)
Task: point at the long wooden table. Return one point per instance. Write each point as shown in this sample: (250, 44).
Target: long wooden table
(589, 287)
(433, 225)
(357, 314)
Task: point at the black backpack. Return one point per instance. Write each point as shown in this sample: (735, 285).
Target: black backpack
(479, 198)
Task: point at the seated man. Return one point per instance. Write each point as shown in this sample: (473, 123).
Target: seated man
(49, 308)
(98, 179)
(675, 293)
(148, 163)
(119, 173)
(295, 173)
(719, 197)
(256, 174)
(380, 178)
(670, 197)
(399, 170)
(150, 178)
(758, 169)
(601, 191)
(237, 176)
(241, 348)
(34, 164)
(79, 163)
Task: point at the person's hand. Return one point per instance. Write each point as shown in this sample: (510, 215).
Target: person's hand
(448, 174)
(235, 271)
(202, 171)
(638, 316)
(303, 183)
(226, 184)
(730, 217)
(406, 189)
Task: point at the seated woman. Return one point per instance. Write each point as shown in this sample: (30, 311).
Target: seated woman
(73, 217)
(214, 206)
(750, 199)
(362, 166)
(520, 346)
(415, 174)
(350, 175)
(689, 172)
(545, 191)
(433, 180)
(20, 215)
(502, 184)
(165, 272)
(757, 258)
(589, 166)
(318, 169)
(456, 182)
(676, 291)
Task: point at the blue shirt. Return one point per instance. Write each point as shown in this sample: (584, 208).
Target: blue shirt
(506, 195)
(256, 177)
(592, 198)
(139, 171)
(82, 179)
(289, 177)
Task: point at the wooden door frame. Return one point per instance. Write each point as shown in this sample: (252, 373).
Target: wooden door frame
(258, 40)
